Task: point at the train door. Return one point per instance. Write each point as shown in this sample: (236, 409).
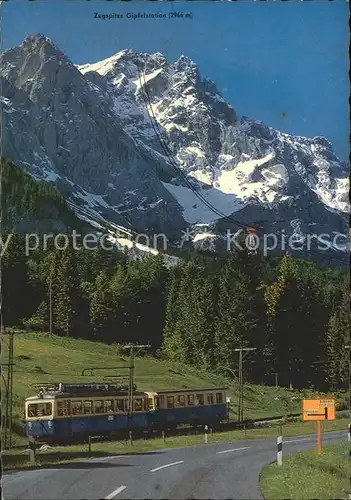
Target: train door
(69, 422)
(64, 419)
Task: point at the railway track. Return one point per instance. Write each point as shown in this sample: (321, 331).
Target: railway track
(188, 430)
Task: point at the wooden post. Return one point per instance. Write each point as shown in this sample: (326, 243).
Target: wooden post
(130, 438)
(31, 447)
(32, 457)
(164, 436)
(319, 438)
(89, 445)
(206, 437)
(240, 385)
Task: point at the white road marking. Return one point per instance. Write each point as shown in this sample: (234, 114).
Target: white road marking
(235, 449)
(115, 492)
(295, 440)
(167, 465)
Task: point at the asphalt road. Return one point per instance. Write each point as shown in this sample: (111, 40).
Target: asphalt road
(216, 471)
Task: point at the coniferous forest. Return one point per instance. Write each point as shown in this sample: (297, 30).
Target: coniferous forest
(293, 312)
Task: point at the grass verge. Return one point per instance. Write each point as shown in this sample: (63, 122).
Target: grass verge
(70, 454)
(306, 475)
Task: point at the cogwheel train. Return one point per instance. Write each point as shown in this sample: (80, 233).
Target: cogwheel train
(68, 412)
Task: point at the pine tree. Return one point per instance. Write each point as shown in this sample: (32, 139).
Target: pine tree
(121, 296)
(173, 346)
(234, 322)
(337, 338)
(196, 315)
(256, 271)
(100, 308)
(153, 300)
(16, 289)
(283, 304)
(39, 321)
(314, 313)
(66, 293)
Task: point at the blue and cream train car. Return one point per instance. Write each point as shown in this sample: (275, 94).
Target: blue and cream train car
(66, 412)
(171, 408)
(70, 411)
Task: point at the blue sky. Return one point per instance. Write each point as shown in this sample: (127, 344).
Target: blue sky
(285, 63)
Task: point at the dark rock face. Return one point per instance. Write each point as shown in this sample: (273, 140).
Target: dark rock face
(153, 146)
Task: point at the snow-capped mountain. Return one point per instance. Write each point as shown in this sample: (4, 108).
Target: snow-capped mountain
(151, 145)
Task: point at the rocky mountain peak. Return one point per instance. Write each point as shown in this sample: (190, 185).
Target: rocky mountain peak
(153, 145)
(37, 67)
(40, 42)
(184, 63)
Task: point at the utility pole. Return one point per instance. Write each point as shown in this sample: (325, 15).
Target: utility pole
(9, 390)
(243, 352)
(67, 324)
(241, 383)
(349, 395)
(10, 387)
(131, 348)
(50, 304)
(236, 378)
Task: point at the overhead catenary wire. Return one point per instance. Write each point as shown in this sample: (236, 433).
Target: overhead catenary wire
(149, 109)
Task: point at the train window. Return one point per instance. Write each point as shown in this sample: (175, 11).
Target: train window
(108, 406)
(219, 398)
(40, 410)
(199, 400)
(99, 406)
(150, 403)
(62, 408)
(76, 407)
(119, 405)
(138, 404)
(31, 411)
(87, 407)
(162, 401)
(210, 399)
(180, 400)
(190, 400)
(170, 401)
(157, 403)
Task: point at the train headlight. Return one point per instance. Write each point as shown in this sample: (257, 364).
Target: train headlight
(49, 424)
(30, 425)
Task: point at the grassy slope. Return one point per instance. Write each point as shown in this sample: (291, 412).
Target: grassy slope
(307, 475)
(39, 358)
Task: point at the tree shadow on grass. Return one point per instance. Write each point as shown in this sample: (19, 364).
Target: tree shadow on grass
(85, 465)
(78, 460)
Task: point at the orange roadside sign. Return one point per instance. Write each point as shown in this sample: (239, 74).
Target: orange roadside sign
(318, 409)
